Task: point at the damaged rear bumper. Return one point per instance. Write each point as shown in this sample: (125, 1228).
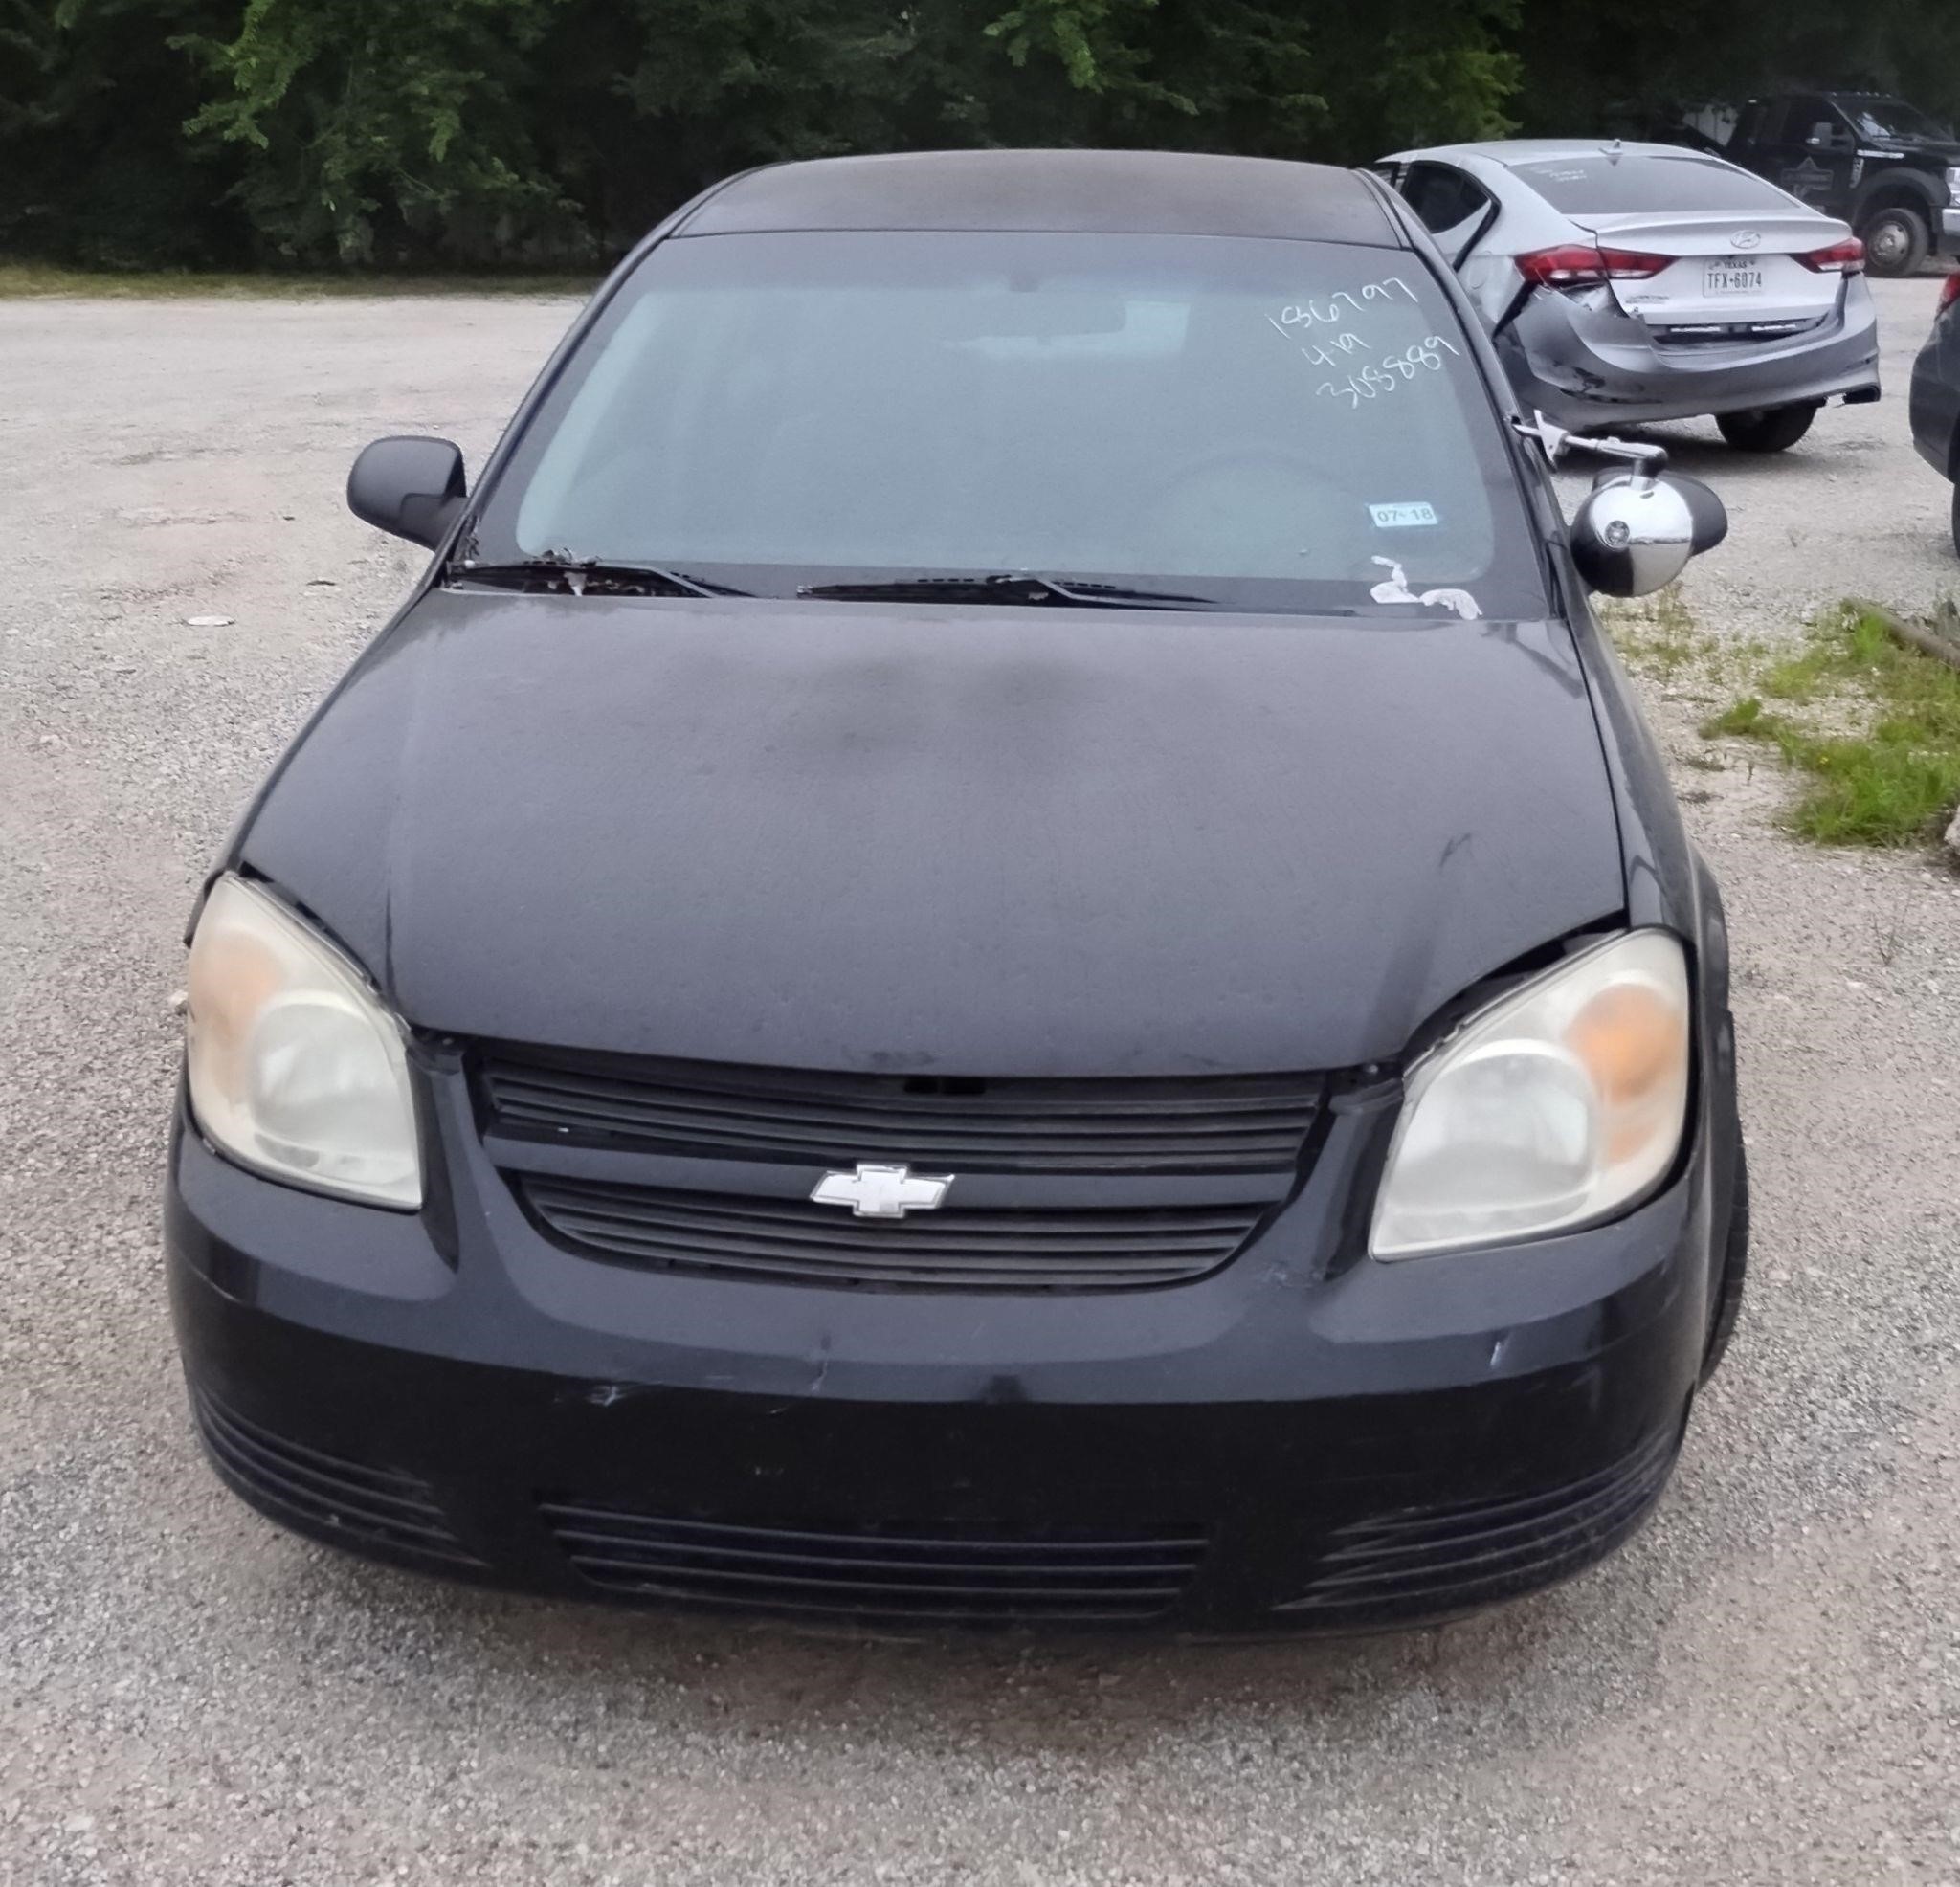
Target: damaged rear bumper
(1586, 365)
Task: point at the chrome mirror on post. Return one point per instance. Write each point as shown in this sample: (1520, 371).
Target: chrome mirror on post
(1633, 534)
(1634, 531)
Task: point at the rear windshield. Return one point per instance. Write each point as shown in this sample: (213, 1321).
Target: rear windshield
(1604, 186)
(1265, 425)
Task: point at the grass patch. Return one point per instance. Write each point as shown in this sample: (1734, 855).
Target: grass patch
(27, 282)
(1658, 634)
(1874, 724)
(1658, 638)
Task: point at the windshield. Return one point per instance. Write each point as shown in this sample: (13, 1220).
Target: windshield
(1602, 185)
(1892, 120)
(1263, 425)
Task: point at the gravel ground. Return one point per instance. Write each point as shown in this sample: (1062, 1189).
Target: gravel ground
(1765, 1686)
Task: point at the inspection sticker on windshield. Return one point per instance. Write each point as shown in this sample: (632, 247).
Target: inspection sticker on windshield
(1400, 516)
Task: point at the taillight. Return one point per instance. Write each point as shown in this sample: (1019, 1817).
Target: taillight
(1949, 293)
(1846, 257)
(1575, 267)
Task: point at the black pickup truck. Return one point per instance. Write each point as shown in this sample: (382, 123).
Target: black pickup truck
(1880, 164)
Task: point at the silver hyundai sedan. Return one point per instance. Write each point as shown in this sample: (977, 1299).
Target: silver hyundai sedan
(1627, 283)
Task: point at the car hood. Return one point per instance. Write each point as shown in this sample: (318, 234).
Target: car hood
(1003, 841)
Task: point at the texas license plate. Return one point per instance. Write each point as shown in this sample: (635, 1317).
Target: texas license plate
(1732, 274)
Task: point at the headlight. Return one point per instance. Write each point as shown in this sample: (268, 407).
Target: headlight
(295, 1067)
(1561, 1104)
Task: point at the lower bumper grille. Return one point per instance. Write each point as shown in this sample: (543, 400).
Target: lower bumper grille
(368, 1508)
(1715, 334)
(790, 1239)
(970, 1576)
(1437, 1560)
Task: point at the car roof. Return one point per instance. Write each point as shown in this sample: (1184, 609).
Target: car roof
(1101, 192)
(1511, 152)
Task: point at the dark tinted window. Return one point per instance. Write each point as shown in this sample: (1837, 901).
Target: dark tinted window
(1761, 123)
(1267, 424)
(1442, 197)
(1893, 120)
(1600, 185)
(1800, 117)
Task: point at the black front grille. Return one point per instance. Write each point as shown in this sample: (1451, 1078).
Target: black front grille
(1437, 1560)
(1205, 1124)
(966, 1575)
(790, 1239)
(368, 1507)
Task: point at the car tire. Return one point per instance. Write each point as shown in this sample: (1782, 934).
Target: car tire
(1736, 1266)
(1766, 429)
(1895, 240)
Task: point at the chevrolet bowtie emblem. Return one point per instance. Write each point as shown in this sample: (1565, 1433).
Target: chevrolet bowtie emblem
(881, 1192)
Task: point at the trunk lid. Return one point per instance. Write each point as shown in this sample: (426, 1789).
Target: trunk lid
(1729, 270)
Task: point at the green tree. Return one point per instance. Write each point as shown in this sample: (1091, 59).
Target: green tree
(1585, 72)
(1207, 75)
(392, 131)
(649, 100)
(386, 131)
(92, 148)
(1255, 77)
(1099, 48)
(1424, 72)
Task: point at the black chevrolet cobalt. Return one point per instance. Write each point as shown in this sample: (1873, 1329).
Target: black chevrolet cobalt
(995, 943)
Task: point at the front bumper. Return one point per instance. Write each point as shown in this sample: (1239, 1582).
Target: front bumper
(1946, 239)
(1267, 1447)
(1585, 365)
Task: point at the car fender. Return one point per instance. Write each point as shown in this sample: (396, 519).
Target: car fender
(1898, 178)
(1671, 884)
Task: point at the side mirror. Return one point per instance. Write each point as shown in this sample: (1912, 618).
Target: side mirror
(412, 488)
(1636, 530)
(1710, 513)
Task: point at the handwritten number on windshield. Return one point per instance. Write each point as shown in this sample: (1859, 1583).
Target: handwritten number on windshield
(1311, 314)
(1425, 356)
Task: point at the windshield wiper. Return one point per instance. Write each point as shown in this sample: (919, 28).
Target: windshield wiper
(1004, 587)
(579, 576)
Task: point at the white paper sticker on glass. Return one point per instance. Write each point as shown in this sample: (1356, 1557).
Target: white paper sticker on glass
(1401, 517)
